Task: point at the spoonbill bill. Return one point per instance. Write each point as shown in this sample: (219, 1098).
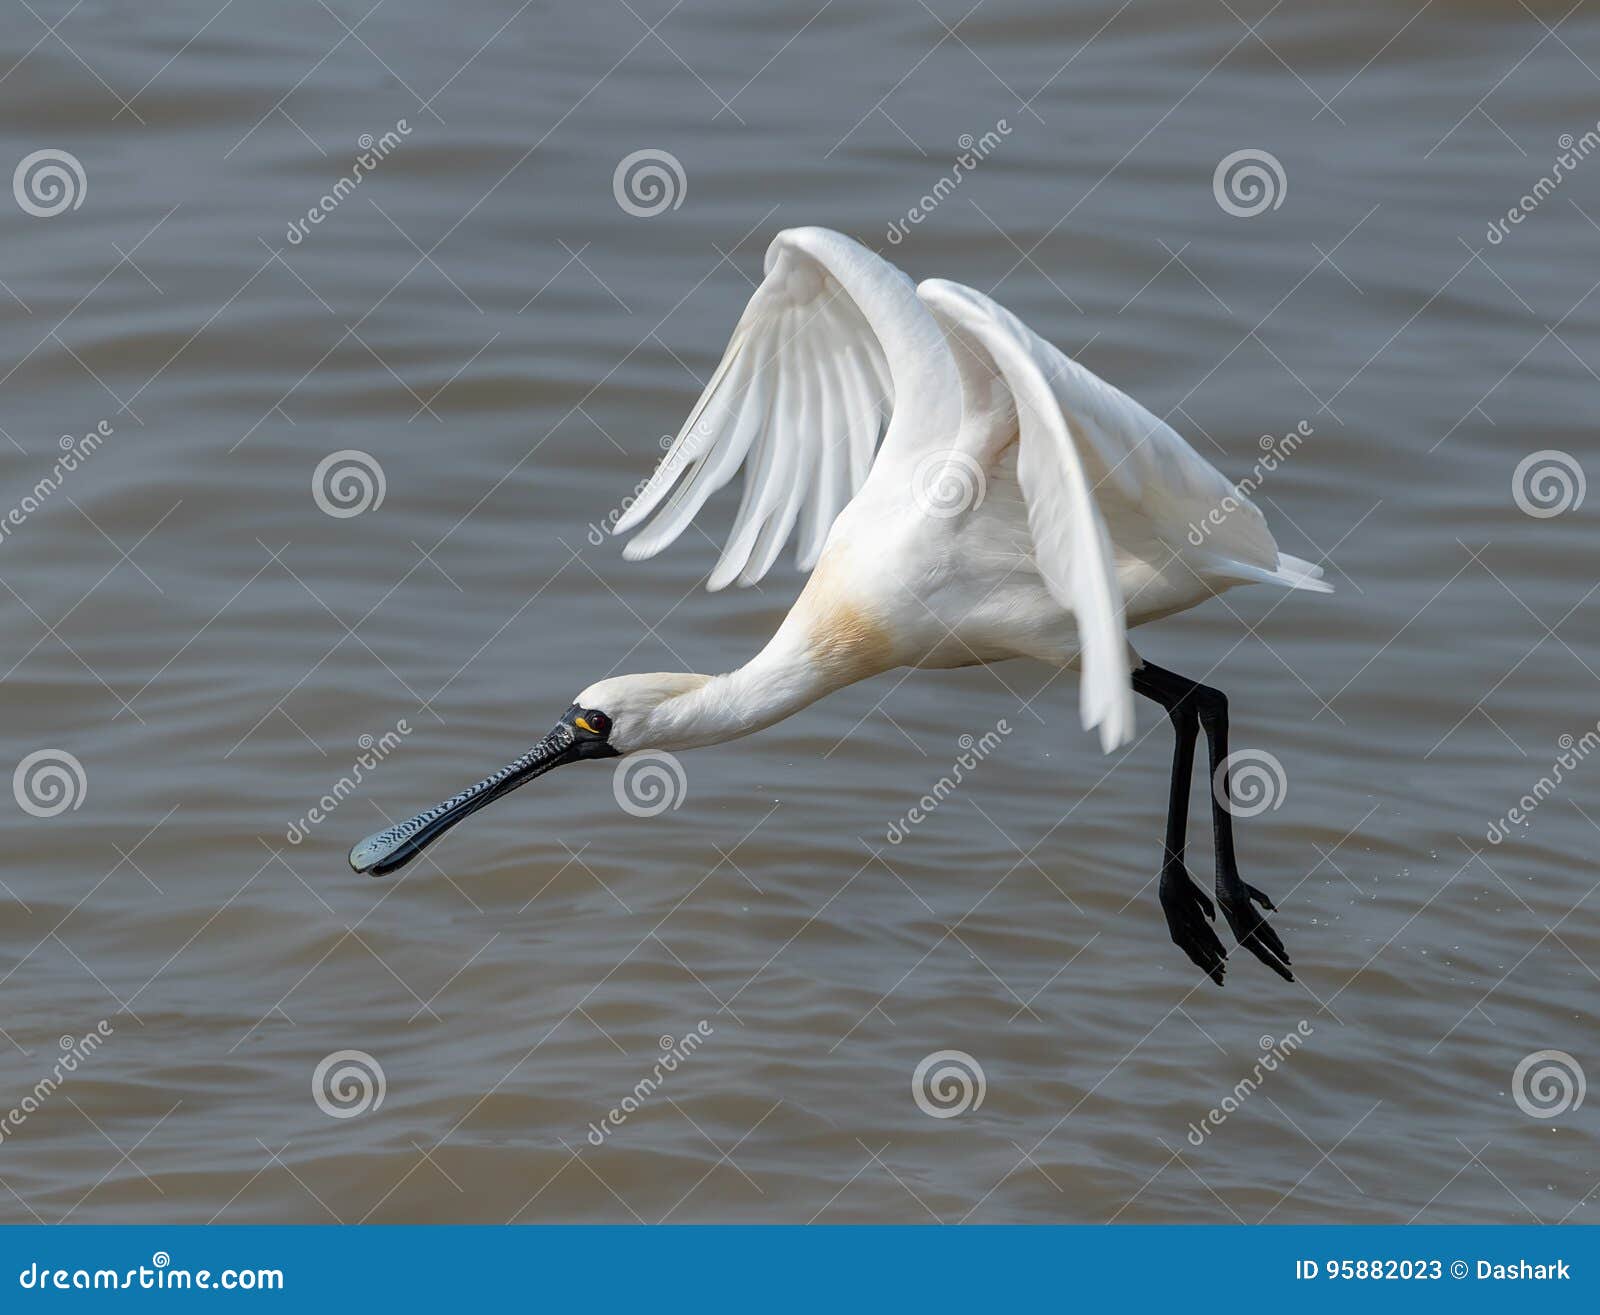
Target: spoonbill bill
(1016, 506)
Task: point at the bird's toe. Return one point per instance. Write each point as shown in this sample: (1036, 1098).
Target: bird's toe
(1189, 912)
(1253, 931)
(1262, 898)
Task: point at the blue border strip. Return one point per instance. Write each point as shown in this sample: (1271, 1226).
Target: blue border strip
(765, 1269)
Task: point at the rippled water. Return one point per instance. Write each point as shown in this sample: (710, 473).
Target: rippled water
(484, 320)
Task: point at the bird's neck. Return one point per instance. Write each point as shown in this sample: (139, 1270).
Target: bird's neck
(779, 681)
(829, 639)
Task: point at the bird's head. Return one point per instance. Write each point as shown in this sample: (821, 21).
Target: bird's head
(619, 715)
(643, 710)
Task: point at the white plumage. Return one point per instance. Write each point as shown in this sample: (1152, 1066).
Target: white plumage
(1016, 506)
(1078, 502)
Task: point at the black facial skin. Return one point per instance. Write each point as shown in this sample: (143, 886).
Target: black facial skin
(591, 727)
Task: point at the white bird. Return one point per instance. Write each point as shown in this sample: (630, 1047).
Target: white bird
(1017, 506)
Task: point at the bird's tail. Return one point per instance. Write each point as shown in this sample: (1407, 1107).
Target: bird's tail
(1291, 573)
(1297, 573)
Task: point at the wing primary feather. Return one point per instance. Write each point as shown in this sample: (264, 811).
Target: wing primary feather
(866, 415)
(820, 506)
(708, 470)
(751, 515)
(673, 464)
(792, 469)
(801, 399)
(832, 490)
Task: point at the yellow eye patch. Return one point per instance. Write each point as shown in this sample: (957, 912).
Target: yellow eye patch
(583, 722)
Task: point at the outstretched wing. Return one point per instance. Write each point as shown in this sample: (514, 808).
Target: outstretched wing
(831, 346)
(1072, 545)
(1153, 489)
(1149, 483)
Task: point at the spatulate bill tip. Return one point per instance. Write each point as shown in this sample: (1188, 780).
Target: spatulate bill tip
(369, 854)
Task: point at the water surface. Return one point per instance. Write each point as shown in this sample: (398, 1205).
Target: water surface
(484, 320)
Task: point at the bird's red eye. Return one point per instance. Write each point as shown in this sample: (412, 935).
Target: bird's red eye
(600, 722)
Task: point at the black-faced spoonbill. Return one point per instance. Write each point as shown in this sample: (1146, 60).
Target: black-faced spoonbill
(1017, 506)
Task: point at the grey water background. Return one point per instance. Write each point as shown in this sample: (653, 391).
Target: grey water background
(485, 320)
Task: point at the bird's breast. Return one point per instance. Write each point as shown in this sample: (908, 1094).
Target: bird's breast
(842, 620)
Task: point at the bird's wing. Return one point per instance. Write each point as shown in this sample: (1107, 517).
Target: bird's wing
(1143, 466)
(1160, 498)
(1071, 543)
(1152, 486)
(831, 346)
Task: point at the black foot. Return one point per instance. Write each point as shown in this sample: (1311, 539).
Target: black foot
(1189, 912)
(1253, 931)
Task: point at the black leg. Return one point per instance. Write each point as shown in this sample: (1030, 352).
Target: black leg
(1187, 702)
(1189, 911)
(1252, 930)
